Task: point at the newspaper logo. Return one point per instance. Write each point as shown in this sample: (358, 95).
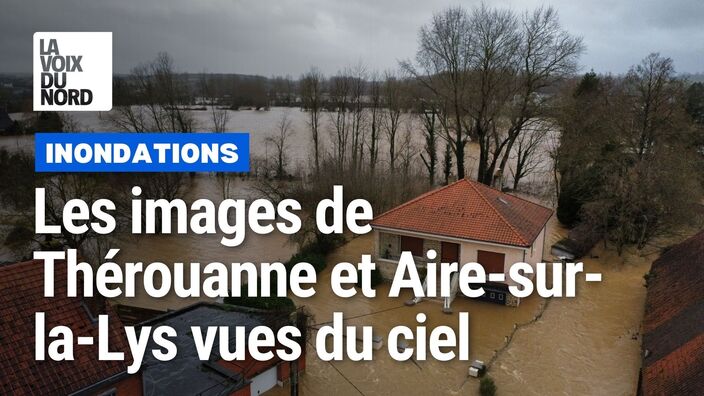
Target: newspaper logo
(72, 71)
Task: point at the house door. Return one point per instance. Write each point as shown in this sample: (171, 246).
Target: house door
(491, 261)
(449, 252)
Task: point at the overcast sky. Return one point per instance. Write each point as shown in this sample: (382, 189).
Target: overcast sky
(288, 36)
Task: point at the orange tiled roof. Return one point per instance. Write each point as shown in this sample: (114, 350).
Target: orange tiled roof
(673, 324)
(470, 210)
(21, 295)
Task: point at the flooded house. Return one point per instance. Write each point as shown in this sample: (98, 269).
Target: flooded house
(464, 222)
(673, 325)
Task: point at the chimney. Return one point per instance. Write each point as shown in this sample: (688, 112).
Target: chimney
(497, 182)
(95, 305)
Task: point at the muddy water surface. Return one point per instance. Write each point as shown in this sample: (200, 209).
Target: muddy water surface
(588, 345)
(488, 325)
(203, 249)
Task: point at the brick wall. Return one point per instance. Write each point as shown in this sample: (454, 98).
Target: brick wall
(246, 391)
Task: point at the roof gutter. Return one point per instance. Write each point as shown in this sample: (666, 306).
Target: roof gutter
(91, 389)
(448, 238)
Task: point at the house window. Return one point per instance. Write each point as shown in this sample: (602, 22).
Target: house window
(413, 245)
(491, 261)
(450, 252)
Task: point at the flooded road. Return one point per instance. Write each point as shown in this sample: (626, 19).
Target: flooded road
(589, 345)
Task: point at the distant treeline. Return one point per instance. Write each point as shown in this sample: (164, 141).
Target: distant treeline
(229, 90)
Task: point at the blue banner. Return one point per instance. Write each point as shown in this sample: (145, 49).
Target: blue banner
(141, 152)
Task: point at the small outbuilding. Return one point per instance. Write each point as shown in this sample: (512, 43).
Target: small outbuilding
(189, 375)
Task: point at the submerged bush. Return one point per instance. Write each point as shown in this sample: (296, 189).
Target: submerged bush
(487, 387)
(273, 303)
(323, 244)
(376, 279)
(317, 260)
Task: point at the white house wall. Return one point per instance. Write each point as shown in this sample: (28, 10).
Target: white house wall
(468, 251)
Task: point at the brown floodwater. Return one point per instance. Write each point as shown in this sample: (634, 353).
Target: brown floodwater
(382, 376)
(581, 346)
(588, 345)
(203, 249)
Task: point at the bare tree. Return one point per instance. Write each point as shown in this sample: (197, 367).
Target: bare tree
(155, 99)
(443, 60)
(547, 54)
(495, 42)
(490, 67)
(429, 114)
(357, 89)
(376, 114)
(447, 163)
(61, 188)
(312, 101)
(526, 151)
(225, 181)
(69, 123)
(250, 91)
(282, 91)
(393, 96)
(340, 93)
(152, 98)
(280, 141)
(657, 98)
(407, 151)
(218, 116)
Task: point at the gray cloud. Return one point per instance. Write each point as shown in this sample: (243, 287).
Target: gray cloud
(288, 36)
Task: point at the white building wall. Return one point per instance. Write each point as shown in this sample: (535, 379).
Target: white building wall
(468, 252)
(263, 382)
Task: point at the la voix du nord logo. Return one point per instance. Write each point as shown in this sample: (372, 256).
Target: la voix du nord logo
(72, 71)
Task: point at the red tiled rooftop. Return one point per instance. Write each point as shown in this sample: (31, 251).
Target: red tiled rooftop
(678, 270)
(679, 373)
(21, 296)
(469, 210)
(673, 325)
